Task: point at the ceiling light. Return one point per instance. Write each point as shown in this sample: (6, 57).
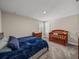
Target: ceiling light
(44, 12)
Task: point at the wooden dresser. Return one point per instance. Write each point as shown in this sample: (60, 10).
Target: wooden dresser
(37, 34)
(59, 36)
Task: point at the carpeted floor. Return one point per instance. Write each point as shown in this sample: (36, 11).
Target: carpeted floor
(57, 51)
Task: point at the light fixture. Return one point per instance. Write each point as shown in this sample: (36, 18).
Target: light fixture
(44, 12)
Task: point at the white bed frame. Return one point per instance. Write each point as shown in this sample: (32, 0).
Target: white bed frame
(42, 54)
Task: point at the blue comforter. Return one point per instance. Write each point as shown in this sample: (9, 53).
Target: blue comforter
(29, 47)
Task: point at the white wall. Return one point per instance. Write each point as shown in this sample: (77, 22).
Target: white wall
(70, 24)
(0, 22)
(18, 25)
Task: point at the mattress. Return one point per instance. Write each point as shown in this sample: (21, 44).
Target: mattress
(41, 54)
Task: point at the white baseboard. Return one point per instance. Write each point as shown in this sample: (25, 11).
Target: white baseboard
(73, 43)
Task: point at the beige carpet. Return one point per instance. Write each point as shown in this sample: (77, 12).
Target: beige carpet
(57, 51)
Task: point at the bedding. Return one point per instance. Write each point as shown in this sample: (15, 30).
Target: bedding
(5, 49)
(29, 46)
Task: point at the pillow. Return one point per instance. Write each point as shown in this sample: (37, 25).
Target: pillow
(13, 43)
(3, 42)
(6, 39)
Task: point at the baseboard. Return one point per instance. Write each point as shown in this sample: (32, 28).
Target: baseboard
(73, 43)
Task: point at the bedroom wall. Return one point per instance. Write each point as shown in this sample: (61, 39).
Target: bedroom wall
(70, 24)
(19, 25)
(0, 22)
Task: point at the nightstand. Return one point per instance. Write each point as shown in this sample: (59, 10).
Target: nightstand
(37, 34)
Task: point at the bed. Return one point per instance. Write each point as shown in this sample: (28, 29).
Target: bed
(29, 48)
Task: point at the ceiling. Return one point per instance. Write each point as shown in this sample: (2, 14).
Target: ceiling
(34, 8)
